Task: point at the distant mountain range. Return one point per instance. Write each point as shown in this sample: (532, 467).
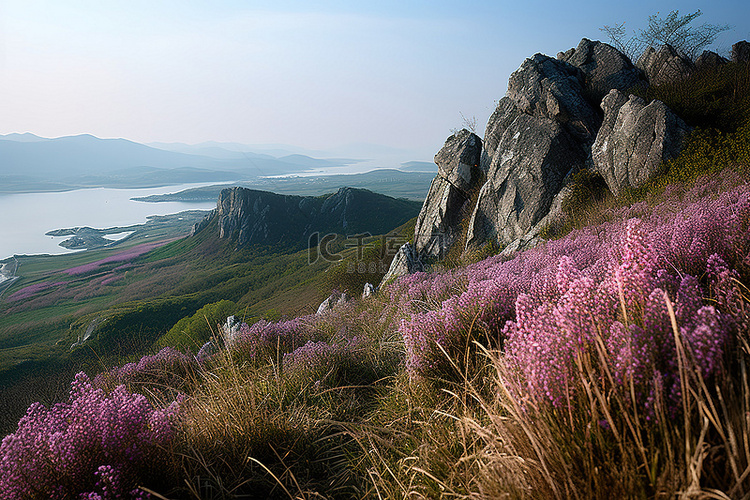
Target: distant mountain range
(32, 163)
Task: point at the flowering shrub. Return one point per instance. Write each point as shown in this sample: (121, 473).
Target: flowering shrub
(330, 364)
(553, 304)
(127, 255)
(102, 445)
(169, 368)
(29, 291)
(265, 341)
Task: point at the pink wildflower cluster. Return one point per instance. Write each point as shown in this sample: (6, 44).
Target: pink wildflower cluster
(169, 368)
(323, 362)
(127, 255)
(104, 445)
(264, 341)
(31, 290)
(555, 306)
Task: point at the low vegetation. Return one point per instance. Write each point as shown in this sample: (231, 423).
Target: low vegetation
(430, 388)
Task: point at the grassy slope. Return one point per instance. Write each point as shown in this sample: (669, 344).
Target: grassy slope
(426, 438)
(141, 303)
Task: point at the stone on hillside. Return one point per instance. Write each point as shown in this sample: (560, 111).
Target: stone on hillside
(741, 51)
(709, 59)
(368, 291)
(231, 328)
(664, 65)
(605, 68)
(325, 306)
(406, 261)
(459, 174)
(544, 87)
(635, 138)
(331, 302)
(458, 160)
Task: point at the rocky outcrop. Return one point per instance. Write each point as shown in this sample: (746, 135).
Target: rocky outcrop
(458, 160)
(635, 138)
(709, 59)
(604, 68)
(459, 175)
(741, 51)
(251, 217)
(548, 127)
(199, 226)
(406, 261)
(539, 133)
(664, 65)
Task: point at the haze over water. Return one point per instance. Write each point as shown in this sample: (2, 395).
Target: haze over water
(27, 217)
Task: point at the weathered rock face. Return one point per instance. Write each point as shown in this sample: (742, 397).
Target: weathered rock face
(634, 139)
(709, 59)
(664, 65)
(604, 67)
(546, 128)
(406, 261)
(258, 217)
(459, 174)
(539, 134)
(544, 87)
(504, 114)
(528, 171)
(741, 51)
(458, 160)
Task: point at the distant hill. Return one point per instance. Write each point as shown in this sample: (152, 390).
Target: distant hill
(252, 217)
(84, 154)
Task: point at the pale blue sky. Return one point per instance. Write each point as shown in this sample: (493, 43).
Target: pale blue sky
(313, 74)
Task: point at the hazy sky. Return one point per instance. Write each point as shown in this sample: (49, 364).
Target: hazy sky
(317, 74)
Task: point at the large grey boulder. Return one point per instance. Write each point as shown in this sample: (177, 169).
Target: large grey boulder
(634, 139)
(528, 171)
(741, 51)
(544, 87)
(540, 133)
(664, 65)
(459, 175)
(605, 68)
(406, 261)
(709, 59)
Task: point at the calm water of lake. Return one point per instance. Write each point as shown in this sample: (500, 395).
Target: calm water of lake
(24, 218)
